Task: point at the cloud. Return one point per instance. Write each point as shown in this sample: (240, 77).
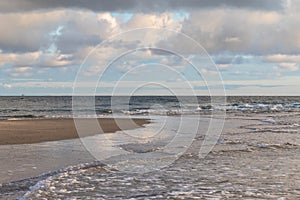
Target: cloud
(51, 39)
(19, 60)
(245, 31)
(60, 34)
(227, 59)
(20, 71)
(218, 29)
(66, 30)
(232, 40)
(283, 67)
(162, 20)
(289, 66)
(137, 5)
(285, 63)
(24, 69)
(34, 59)
(7, 86)
(28, 32)
(279, 58)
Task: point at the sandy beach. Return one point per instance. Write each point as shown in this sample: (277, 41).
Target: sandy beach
(43, 130)
(34, 146)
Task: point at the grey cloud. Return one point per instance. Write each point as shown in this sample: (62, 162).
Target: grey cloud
(232, 59)
(137, 5)
(70, 42)
(223, 60)
(244, 32)
(79, 29)
(155, 51)
(17, 36)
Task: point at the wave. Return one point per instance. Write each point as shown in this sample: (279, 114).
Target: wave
(139, 110)
(27, 186)
(26, 116)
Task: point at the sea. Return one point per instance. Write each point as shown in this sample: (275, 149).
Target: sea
(61, 106)
(256, 155)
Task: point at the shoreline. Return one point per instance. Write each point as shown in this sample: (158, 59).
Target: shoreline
(244, 139)
(31, 147)
(31, 131)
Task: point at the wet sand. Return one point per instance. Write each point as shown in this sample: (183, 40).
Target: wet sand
(35, 146)
(43, 130)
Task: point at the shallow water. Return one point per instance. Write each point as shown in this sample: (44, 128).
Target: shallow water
(230, 175)
(256, 157)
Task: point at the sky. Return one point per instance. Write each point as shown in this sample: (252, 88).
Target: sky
(141, 47)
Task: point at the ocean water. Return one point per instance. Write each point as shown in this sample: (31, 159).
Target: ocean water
(257, 156)
(61, 106)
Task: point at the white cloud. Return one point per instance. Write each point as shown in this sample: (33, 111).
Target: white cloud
(7, 86)
(289, 66)
(206, 72)
(24, 59)
(283, 58)
(37, 59)
(286, 67)
(23, 69)
(232, 39)
(163, 20)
